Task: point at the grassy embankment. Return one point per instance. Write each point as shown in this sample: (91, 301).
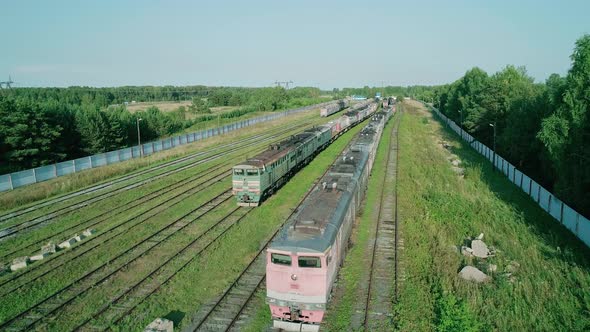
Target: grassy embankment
(439, 210)
(219, 265)
(62, 185)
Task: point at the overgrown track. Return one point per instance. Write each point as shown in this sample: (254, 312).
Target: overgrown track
(378, 309)
(218, 152)
(126, 302)
(120, 229)
(52, 304)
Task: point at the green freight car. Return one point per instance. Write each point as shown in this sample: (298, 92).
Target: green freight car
(258, 177)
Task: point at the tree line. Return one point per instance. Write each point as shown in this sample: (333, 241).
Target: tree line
(541, 128)
(41, 126)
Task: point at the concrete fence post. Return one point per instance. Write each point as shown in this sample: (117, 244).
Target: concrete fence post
(35, 175)
(10, 181)
(74, 164)
(54, 170)
(561, 213)
(90, 158)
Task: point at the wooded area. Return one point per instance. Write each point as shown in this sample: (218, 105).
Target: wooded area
(41, 126)
(541, 128)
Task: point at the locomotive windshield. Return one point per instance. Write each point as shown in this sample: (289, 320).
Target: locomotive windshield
(309, 261)
(281, 259)
(238, 171)
(251, 172)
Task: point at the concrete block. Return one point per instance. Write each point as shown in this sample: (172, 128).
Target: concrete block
(38, 257)
(79, 237)
(48, 249)
(89, 232)
(67, 243)
(160, 325)
(19, 263)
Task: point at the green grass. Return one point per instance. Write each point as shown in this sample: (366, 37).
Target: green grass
(216, 268)
(439, 210)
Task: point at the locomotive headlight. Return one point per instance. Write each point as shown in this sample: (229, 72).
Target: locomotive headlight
(293, 277)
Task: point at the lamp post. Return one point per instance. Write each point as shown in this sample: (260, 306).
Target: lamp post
(494, 157)
(461, 123)
(139, 138)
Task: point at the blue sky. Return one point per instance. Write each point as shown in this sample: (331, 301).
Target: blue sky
(253, 43)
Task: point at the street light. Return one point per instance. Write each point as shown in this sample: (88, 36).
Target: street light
(139, 138)
(461, 123)
(494, 157)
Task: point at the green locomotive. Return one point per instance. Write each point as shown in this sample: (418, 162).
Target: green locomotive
(260, 176)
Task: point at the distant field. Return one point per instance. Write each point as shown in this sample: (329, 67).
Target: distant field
(169, 106)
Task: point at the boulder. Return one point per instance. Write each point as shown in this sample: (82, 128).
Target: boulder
(79, 237)
(67, 243)
(38, 257)
(19, 263)
(471, 273)
(466, 251)
(480, 249)
(48, 249)
(89, 232)
(160, 325)
(456, 162)
(479, 237)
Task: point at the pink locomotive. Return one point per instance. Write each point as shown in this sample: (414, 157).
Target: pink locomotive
(303, 260)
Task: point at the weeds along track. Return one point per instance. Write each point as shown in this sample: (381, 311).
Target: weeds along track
(128, 301)
(137, 181)
(118, 229)
(96, 220)
(53, 304)
(378, 309)
(26, 247)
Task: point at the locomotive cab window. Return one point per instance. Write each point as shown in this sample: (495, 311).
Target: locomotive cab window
(309, 261)
(280, 259)
(238, 171)
(251, 172)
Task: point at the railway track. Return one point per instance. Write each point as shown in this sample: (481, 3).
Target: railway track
(218, 153)
(106, 236)
(381, 284)
(52, 304)
(230, 311)
(127, 303)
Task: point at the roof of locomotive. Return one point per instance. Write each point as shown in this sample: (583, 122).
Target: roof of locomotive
(314, 227)
(278, 150)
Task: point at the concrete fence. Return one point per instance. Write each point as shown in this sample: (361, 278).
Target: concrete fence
(43, 173)
(568, 217)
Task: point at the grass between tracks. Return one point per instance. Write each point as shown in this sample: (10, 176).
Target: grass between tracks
(439, 210)
(220, 265)
(65, 184)
(341, 307)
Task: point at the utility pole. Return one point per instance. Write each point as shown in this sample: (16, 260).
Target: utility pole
(139, 138)
(461, 123)
(494, 157)
(7, 83)
(286, 83)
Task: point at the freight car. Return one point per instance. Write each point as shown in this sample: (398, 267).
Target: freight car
(303, 260)
(258, 177)
(333, 108)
